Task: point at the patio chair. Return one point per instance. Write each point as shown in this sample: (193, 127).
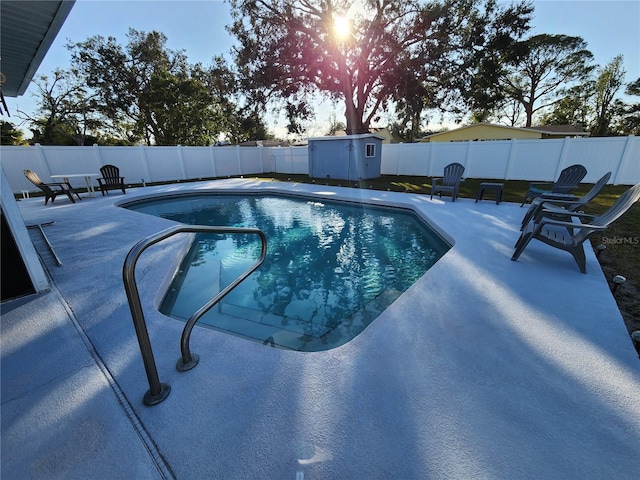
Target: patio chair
(569, 179)
(111, 179)
(552, 203)
(51, 190)
(450, 182)
(570, 236)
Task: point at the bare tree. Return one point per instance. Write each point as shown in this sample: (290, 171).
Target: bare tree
(66, 113)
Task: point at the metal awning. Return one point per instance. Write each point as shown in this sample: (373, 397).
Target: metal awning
(27, 30)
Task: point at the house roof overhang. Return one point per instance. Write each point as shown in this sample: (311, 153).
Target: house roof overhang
(556, 130)
(27, 30)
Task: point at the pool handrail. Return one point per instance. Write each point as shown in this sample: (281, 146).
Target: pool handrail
(159, 391)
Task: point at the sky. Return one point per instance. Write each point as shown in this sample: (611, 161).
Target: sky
(610, 28)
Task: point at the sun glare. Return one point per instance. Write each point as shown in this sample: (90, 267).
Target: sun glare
(342, 27)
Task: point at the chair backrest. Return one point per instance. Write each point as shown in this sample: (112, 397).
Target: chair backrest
(595, 190)
(452, 174)
(619, 208)
(33, 178)
(110, 171)
(624, 203)
(569, 178)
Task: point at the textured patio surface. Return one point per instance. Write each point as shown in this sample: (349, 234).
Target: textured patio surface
(485, 368)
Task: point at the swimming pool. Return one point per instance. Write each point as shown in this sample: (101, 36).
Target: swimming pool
(331, 267)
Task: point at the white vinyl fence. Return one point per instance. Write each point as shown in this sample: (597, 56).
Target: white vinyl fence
(535, 160)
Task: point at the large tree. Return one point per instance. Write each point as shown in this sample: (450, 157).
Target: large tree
(627, 115)
(592, 103)
(543, 68)
(149, 92)
(574, 108)
(10, 135)
(365, 53)
(66, 114)
(609, 80)
(239, 120)
(179, 111)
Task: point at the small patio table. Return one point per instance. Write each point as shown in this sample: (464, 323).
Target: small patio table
(497, 187)
(87, 178)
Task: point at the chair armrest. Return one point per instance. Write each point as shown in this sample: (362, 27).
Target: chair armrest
(60, 185)
(582, 215)
(551, 208)
(569, 214)
(543, 216)
(558, 196)
(560, 223)
(563, 189)
(540, 184)
(550, 203)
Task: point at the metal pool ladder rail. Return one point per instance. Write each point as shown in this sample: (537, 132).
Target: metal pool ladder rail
(159, 391)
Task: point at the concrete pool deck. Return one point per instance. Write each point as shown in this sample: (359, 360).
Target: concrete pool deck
(484, 368)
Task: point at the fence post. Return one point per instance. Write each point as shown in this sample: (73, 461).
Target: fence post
(183, 168)
(274, 161)
(43, 159)
(623, 159)
(213, 160)
(145, 162)
(430, 158)
(397, 156)
(397, 151)
(512, 149)
(563, 156)
(290, 153)
(96, 150)
(467, 156)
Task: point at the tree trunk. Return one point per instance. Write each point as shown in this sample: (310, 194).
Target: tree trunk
(528, 111)
(355, 125)
(357, 131)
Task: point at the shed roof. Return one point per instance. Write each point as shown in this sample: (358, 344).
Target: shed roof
(345, 136)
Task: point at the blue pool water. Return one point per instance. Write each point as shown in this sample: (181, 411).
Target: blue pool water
(331, 267)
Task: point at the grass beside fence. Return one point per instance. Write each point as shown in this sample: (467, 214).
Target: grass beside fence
(622, 239)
